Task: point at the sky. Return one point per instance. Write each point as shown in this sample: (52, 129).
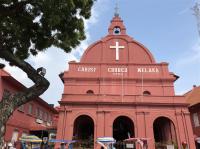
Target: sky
(167, 28)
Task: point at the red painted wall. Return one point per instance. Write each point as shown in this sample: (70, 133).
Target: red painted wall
(22, 120)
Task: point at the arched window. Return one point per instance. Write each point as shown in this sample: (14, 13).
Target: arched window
(164, 131)
(90, 92)
(117, 30)
(146, 93)
(123, 128)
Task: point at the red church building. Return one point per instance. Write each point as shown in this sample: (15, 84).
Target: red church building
(118, 90)
(35, 117)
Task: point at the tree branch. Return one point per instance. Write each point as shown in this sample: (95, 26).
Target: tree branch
(40, 86)
(10, 101)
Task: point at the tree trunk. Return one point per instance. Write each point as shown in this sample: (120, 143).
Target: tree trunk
(2, 133)
(11, 101)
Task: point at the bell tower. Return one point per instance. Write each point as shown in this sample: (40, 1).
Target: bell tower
(117, 27)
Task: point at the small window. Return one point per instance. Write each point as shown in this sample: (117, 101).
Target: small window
(49, 118)
(117, 31)
(30, 109)
(37, 114)
(146, 93)
(40, 114)
(196, 120)
(90, 92)
(45, 116)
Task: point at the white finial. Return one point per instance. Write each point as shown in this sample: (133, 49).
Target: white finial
(116, 9)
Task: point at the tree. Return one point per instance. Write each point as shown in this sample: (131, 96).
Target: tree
(31, 26)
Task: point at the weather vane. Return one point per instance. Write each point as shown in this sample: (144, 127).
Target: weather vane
(116, 9)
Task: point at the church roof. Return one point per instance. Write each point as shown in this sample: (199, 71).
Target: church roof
(117, 47)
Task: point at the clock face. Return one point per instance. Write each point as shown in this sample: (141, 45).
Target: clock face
(116, 31)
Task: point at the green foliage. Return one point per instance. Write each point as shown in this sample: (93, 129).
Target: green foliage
(30, 26)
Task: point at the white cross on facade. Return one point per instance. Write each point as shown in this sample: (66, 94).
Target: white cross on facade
(117, 47)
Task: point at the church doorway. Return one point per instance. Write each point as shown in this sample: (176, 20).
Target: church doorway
(84, 132)
(123, 128)
(164, 133)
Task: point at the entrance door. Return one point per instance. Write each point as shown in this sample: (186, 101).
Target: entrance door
(123, 128)
(164, 133)
(84, 132)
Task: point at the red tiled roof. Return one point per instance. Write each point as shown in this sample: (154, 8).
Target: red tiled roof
(193, 96)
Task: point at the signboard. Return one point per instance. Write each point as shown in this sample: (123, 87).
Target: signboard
(39, 121)
(148, 70)
(132, 145)
(86, 69)
(118, 70)
(170, 146)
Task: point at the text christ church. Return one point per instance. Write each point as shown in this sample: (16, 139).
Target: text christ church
(118, 90)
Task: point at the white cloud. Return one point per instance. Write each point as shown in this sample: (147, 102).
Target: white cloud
(56, 60)
(184, 11)
(187, 66)
(17, 73)
(192, 56)
(96, 11)
(187, 8)
(41, 58)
